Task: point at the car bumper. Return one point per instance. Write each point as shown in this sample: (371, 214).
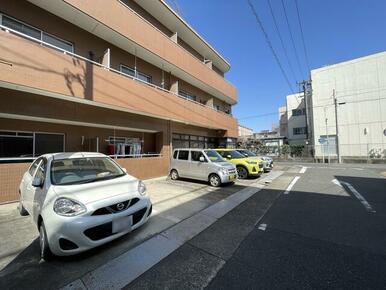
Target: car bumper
(255, 170)
(226, 178)
(88, 231)
(267, 166)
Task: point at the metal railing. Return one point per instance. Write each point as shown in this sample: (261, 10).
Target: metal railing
(46, 44)
(116, 156)
(175, 43)
(324, 153)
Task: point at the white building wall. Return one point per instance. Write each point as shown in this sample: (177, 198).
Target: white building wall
(361, 85)
(295, 101)
(244, 131)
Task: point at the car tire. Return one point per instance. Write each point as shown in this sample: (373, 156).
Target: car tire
(174, 174)
(45, 252)
(242, 172)
(214, 180)
(22, 210)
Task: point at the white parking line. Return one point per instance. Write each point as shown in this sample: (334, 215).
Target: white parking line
(287, 191)
(125, 268)
(304, 168)
(359, 197)
(262, 227)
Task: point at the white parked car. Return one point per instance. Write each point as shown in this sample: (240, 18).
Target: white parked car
(81, 200)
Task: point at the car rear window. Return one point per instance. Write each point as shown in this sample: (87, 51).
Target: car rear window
(184, 155)
(175, 154)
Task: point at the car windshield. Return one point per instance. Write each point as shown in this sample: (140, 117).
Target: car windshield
(233, 153)
(83, 170)
(247, 153)
(214, 156)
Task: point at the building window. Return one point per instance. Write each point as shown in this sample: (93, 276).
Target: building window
(53, 40)
(131, 72)
(193, 141)
(36, 33)
(187, 95)
(298, 112)
(29, 144)
(48, 143)
(299, 131)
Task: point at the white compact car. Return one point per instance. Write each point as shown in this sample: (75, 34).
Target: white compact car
(81, 200)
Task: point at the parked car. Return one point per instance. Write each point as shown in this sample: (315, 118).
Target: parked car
(267, 161)
(202, 164)
(245, 166)
(81, 200)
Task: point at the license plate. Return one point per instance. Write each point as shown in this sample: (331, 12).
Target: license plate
(232, 177)
(122, 224)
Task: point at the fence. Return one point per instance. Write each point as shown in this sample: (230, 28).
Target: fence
(325, 153)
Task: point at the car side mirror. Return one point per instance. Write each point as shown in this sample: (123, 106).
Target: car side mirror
(124, 170)
(202, 159)
(37, 182)
(229, 157)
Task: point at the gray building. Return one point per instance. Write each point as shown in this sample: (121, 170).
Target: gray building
(349, 108)
(296, 119)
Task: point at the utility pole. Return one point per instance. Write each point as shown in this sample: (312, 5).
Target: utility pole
(336, 124)
(327, 137)
(305, 84)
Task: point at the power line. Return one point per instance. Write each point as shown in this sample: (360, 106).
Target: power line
(302, 34)
(281, 40)
(269, 44)
(312, 107)
(257, 116)
(291, 36)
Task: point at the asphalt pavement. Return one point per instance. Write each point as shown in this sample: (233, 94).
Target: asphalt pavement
(312, 228)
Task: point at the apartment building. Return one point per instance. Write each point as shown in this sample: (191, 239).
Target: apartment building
(296, 119)
(128, 78)
(349, 109)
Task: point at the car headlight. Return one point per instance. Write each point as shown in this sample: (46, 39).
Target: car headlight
(224, 171)
(252, 162)
(141, 187)
(68, 207)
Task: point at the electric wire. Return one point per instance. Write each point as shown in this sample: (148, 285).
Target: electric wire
(302, 35)
(292, 39)
(318, 106)
(281, 40)
(270, 44)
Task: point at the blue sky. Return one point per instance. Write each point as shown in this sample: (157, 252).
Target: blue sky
(334, 31)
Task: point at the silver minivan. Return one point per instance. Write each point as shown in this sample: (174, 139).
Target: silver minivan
(202, 164)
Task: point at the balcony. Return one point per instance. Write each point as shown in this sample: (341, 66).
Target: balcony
(131, 32)
(29, 64)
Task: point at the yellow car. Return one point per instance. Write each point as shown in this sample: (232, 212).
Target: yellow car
(246, 166)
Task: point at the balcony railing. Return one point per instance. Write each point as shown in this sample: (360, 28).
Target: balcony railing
(43, 43)
(165, 35)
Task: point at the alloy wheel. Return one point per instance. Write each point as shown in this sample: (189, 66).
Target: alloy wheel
(214, 180)
(242, 172)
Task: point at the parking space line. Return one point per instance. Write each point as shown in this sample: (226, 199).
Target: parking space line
(303, 170)
(123, 269)
(262, 227)
(287, 191)
(359, 197)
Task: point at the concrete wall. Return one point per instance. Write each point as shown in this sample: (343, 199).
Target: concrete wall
(360, 84)
(295, 101)
(283, 122)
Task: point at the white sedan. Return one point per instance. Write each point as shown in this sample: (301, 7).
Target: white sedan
(81, 200)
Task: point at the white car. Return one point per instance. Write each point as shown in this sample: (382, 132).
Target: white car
(80, 201)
